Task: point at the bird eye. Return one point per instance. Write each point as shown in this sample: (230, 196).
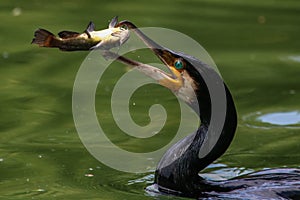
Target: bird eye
(178, 64)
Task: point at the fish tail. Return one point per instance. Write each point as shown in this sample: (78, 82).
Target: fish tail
(44, 38)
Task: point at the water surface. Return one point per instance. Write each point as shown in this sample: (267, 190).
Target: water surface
(255, 45)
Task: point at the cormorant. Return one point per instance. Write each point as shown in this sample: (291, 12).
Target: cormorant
(177, 172)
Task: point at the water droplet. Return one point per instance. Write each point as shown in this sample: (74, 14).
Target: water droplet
(261, 19)
(16, 11)
(89, 175)
(1, 159)
(5, 55)
(40, 156)
(292, 92)
(133, 103)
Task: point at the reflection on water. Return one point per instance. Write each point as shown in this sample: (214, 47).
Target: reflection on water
(145, 179)
(214, 172)
(272, 120)
(281, 118)
(294, 58)
(219, 172)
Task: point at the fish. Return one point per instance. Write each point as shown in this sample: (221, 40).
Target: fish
(88, 40)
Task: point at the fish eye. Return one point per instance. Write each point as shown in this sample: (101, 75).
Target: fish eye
(178, 64)
(124, 27)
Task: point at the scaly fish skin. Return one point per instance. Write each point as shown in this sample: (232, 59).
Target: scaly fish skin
(88, 40)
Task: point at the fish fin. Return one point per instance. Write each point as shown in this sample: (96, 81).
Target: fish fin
(113, 22)
(44, 38)
(90, 27)
(68, 34)
(98, 46)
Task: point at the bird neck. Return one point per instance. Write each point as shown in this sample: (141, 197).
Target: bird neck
(178, 169)
(227, 129)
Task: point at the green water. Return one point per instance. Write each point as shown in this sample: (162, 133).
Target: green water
(255, 45)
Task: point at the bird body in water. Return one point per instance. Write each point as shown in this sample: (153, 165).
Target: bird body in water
(178, 170)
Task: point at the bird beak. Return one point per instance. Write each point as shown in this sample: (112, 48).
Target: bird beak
(172, 80)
